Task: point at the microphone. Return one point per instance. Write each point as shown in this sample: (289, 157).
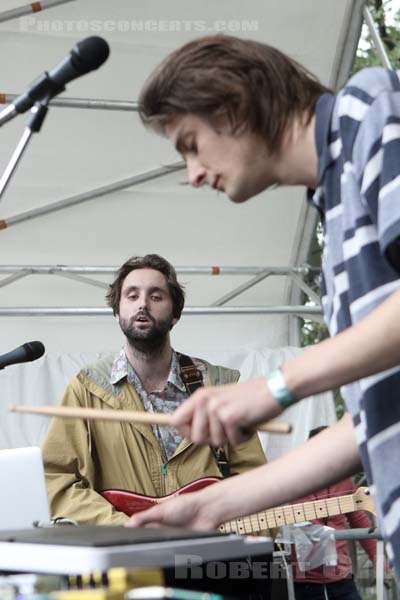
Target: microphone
(25, 353)
(87, 55)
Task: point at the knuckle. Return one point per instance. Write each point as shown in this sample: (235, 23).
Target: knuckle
(201, 400)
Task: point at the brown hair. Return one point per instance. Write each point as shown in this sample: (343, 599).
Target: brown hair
(150, 261)
(253, 85)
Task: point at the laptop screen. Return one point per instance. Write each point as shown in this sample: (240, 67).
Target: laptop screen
(23, 497)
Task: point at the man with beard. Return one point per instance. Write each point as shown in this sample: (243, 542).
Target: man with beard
(82, 458)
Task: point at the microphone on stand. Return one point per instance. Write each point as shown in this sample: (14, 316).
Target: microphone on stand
(25, 353)
(87, 55)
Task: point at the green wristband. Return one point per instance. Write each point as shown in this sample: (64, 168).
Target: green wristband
(278, 388)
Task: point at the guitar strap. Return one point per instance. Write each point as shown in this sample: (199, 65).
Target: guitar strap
(193, 379)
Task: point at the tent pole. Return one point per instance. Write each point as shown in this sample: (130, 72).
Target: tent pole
(123, 105)
(94, 311)
(190, 270)
(95, 193)
(242, 288)
(27, 9)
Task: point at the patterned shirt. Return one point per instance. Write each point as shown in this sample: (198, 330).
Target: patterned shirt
(158, 401)
(358, 195)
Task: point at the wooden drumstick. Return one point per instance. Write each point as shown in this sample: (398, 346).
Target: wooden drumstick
(133, 416)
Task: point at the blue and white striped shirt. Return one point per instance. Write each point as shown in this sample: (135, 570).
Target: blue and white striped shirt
(358, 195)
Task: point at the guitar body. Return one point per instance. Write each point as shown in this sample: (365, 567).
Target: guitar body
(131, 502)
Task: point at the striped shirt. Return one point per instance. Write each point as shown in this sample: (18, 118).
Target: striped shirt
(358, 195)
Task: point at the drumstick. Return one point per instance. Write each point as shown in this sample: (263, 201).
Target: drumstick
(95, 414)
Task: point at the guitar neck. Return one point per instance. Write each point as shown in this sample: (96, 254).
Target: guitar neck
(292, 513)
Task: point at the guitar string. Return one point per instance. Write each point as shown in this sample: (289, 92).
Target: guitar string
(335, 505)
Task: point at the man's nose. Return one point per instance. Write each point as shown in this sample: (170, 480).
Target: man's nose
(143, 303)
(196, 172)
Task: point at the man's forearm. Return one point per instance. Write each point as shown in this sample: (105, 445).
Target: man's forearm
(325, 459)
(84, 505)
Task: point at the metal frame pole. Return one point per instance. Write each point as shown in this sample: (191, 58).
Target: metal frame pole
(80, 274)
(190, 270)
(91, 311)
(242, 288)
(380, 48)
(91, 194)
(123, 105)
(27, 9)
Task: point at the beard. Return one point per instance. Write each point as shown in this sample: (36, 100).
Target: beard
(149, 340)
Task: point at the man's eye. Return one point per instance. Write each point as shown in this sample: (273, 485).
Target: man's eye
(156, 298)
(132, 297)
(190, 147)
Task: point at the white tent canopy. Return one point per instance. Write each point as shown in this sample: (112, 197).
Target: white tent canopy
(83, 149)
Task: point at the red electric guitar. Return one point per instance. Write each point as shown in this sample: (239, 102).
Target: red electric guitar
(131, 503)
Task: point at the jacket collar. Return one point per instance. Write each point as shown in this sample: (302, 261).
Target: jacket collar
(121, 368)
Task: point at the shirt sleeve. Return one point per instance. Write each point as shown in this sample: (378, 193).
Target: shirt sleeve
(375, 158)
(70, 471)
(359, 519)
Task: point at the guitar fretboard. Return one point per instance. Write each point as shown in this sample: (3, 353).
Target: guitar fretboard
(292, 513)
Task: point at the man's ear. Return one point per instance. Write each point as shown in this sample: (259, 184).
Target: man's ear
(116, 316)
(174, 322)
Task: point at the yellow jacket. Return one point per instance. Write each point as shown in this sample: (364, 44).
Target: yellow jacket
(84, 457)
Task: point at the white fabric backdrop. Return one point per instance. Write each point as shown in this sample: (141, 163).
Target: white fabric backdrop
(43, 382)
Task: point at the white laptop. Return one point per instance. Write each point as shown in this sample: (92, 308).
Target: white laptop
(23, 495)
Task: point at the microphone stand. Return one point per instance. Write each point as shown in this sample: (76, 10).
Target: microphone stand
(38, 114)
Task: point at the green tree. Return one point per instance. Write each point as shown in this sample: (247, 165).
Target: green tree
(387, 20)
